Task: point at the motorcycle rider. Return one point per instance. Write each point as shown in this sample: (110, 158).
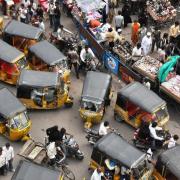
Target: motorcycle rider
(86, 55)
(154, 137)
(103, 129)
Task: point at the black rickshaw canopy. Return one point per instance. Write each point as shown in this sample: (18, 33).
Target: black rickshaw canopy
(17, 28)
(115, 147)
(9, 104)
(171, 159)
(47, 52)
(96, 86)
(9, 53)
(39, 79)
(138, 94)
(28, 171)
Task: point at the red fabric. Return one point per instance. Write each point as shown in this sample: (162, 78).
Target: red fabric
(94, 23)
(135, 29)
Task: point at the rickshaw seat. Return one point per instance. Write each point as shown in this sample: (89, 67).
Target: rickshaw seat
(132, 110)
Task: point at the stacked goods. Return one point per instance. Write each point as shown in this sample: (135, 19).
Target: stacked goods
(161, 10)
(124, 51)
(172, 86)
(148, 66)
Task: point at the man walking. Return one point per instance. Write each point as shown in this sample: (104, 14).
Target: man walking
(2, 162)
(146, 44)
(119, 21)
(9, 152)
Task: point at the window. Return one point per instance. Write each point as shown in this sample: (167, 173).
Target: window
(121, 101)
(96, 156)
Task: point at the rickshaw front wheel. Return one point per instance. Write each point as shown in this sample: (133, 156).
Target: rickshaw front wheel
(68, 104)
(26, 138)
(87, 125)
(117, 118)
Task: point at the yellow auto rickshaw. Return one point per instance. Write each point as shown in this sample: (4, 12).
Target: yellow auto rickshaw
(167, 166)
(96, 95)
(44, 56)
(116, 157)
(14, 121)
(1, 25)
(135, 103)
(42, 90)
(21, 35)
(12, 61)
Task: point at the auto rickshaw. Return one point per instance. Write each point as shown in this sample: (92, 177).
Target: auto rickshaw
(27, 171)
(14, 121)
(95, 97)
(42, 90)
(113, 155)
(21, 35)
(44, 56)
(12, 61)
(1, 25)
(167, 165)
(135, 103)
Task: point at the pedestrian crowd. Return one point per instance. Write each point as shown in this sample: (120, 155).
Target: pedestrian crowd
(6, 159)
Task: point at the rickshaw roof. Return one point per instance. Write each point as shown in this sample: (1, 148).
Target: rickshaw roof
(38, 79)
(9, 104)
(138, 94)
(28, 171)
(47, 52)
(17, 28)
(119, 150)
(95, 86)
(9, 53)
(171, 159)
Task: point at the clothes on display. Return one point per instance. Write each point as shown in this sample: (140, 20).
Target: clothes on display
(173, 86)
(161, 10)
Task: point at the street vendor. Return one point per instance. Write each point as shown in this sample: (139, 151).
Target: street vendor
(137, 51)
(119, 37)
(110, 37)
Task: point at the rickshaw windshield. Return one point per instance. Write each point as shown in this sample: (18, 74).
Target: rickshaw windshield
(22, 63)
(87, 105)
(162, 113)
(19, 121)
(63, 65)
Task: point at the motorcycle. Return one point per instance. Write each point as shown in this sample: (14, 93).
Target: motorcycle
(93, 135)
(146, 143)
(68, 145)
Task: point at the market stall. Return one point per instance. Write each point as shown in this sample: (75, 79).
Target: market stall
(172, 87)
(161, 11)
(148, 67)
(124, 51)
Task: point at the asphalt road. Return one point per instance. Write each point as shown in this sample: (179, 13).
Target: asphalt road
(69, 119)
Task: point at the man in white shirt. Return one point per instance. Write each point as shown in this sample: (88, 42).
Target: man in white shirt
(119, 21)
(9, 151)
(103, 129)
(172, 142)
(41, 24)
(137, 51)
(2, 161)
(86, 54)
(23, 13)
(97, 174)
(146, 44)
(153, 128)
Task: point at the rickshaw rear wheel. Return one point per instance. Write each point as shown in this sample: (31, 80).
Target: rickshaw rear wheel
(68, 104)
(117, 118)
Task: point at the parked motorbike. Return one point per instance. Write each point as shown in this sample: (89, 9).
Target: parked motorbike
(69, 146)
(93, 135)
(145, 144)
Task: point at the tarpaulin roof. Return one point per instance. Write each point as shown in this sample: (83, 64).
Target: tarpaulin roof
(47, 52)
(38, 79)
(146, 99)
(9, 104)
(96, 86)
(23, 30)
(120, 150)
(30, 171)
(171, 159)
(9, 53)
